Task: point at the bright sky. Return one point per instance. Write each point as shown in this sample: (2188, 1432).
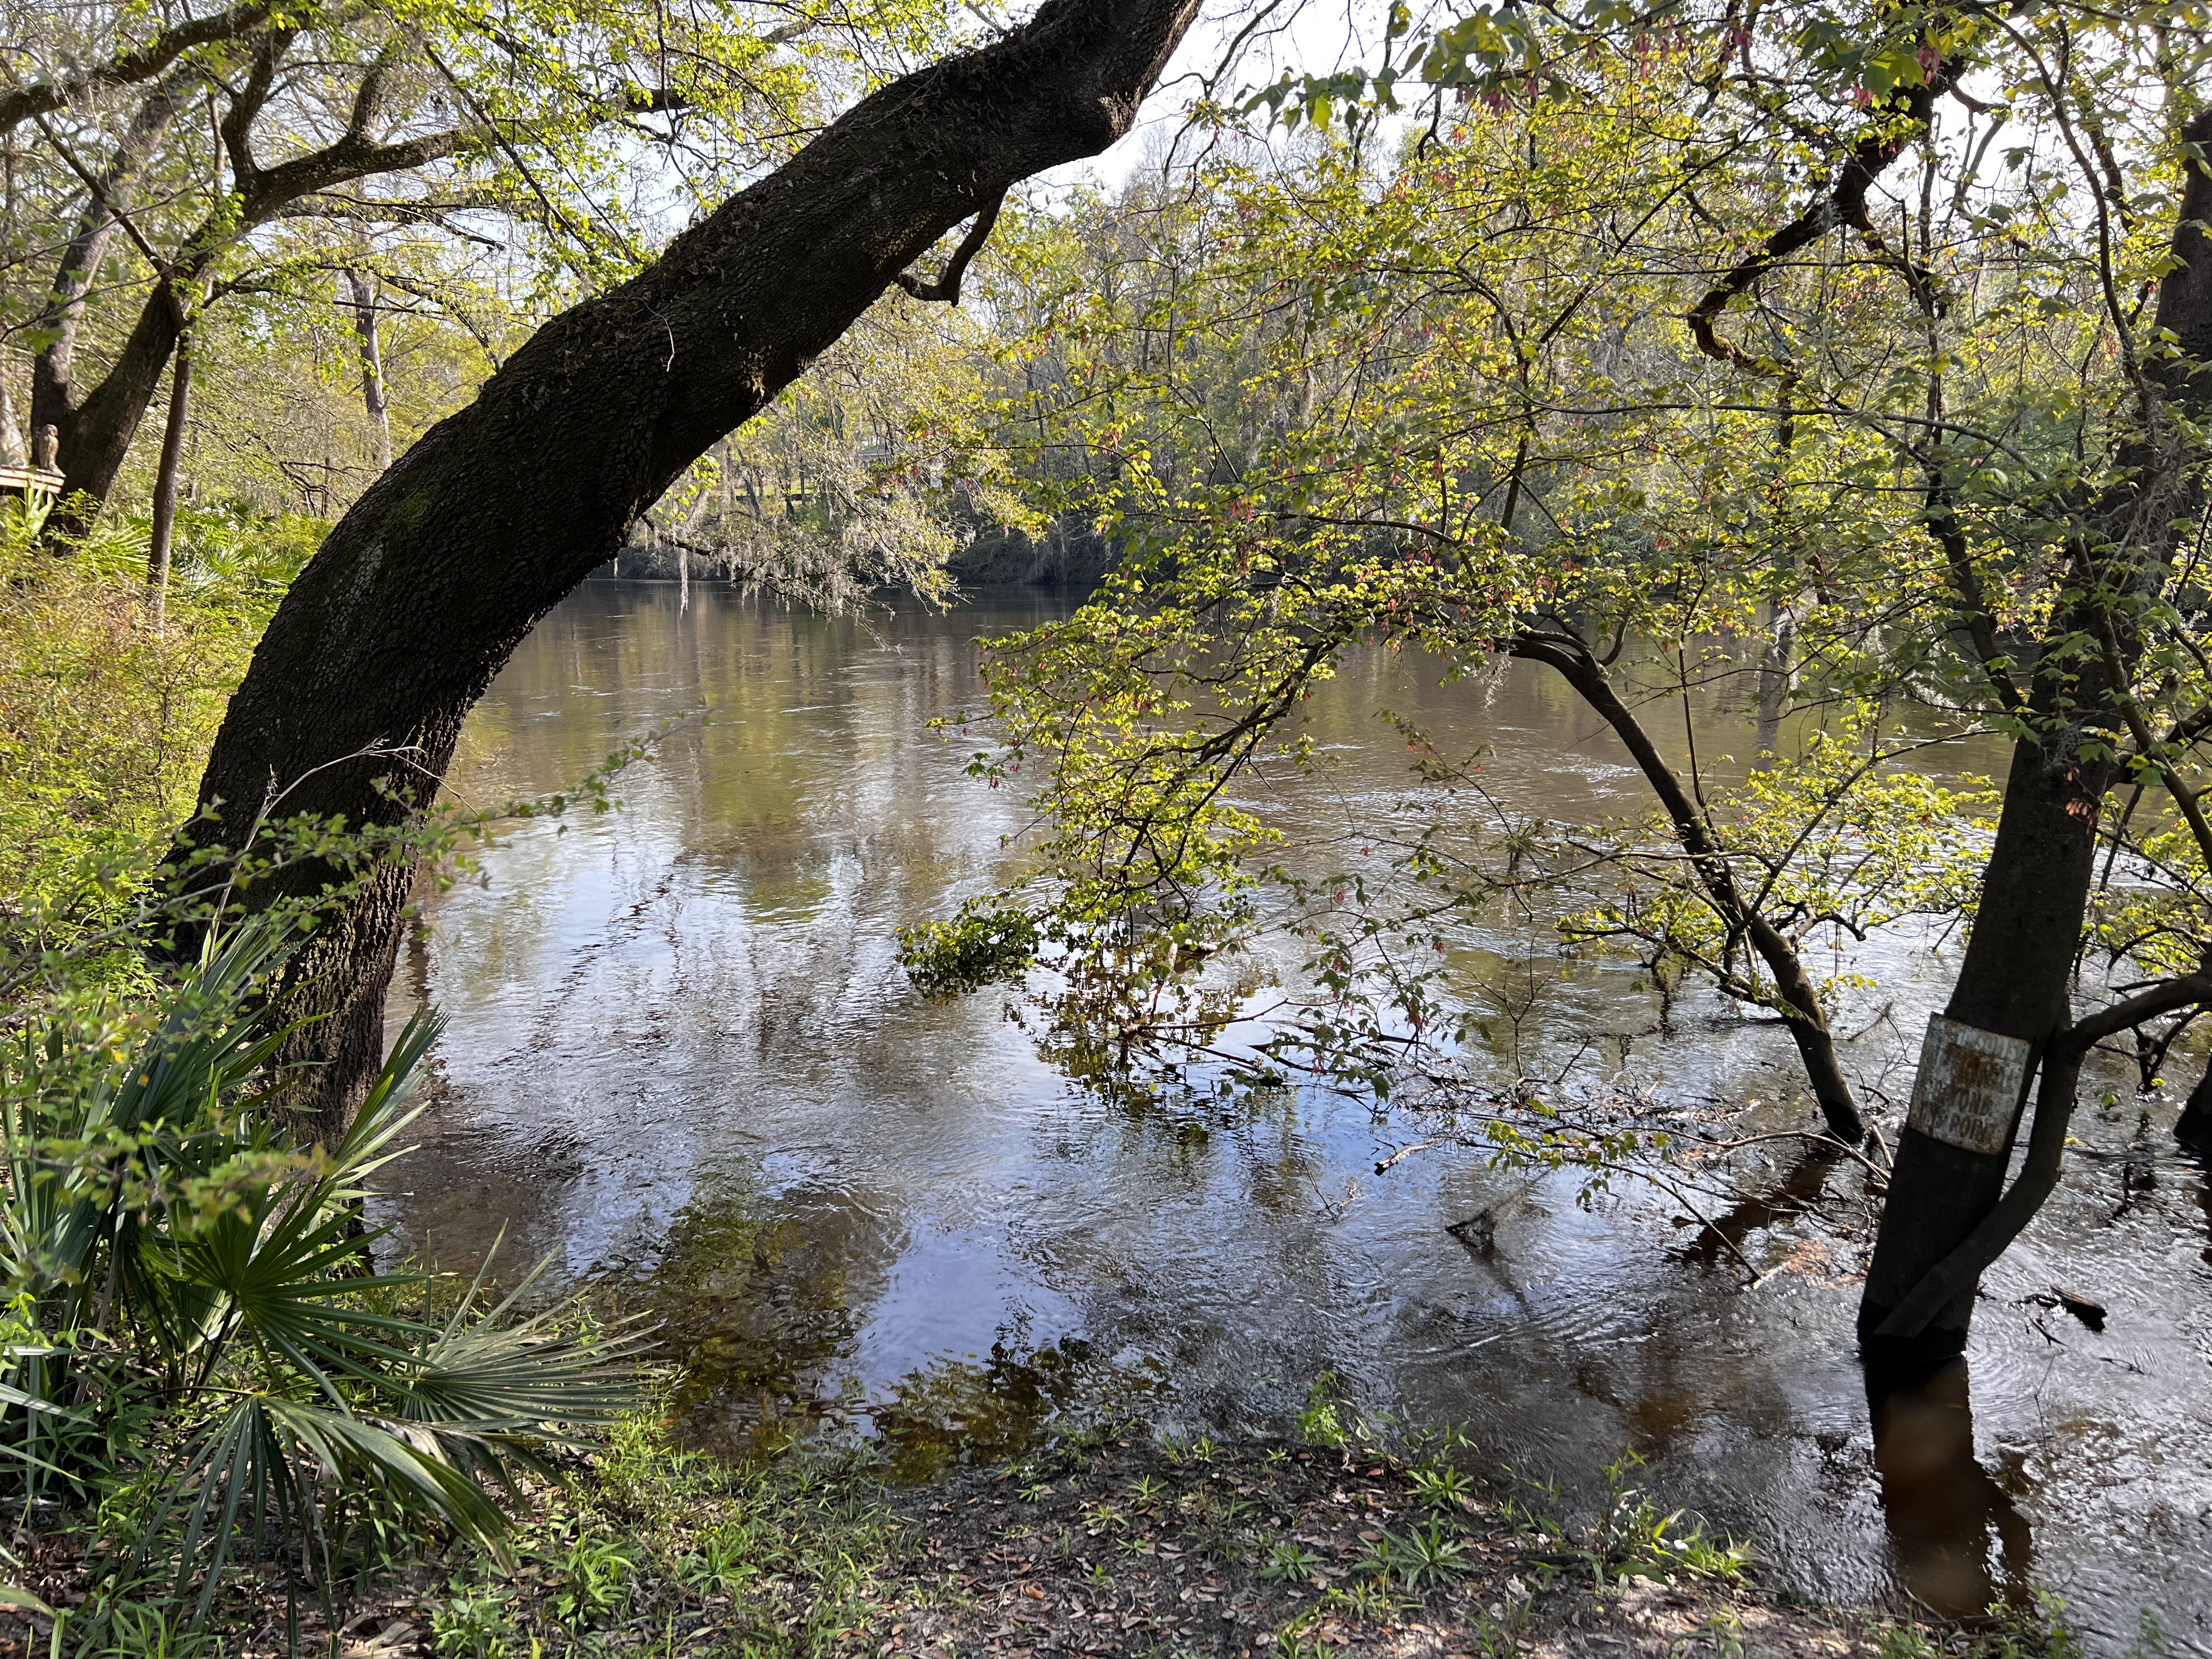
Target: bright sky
(1312, 37)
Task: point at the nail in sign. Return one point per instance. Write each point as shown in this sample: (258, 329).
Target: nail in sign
(1969, 1090)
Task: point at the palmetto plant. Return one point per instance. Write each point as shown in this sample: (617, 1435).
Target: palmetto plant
(167, 1249)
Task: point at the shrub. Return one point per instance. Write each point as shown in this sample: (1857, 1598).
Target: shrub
(168, 1250)
(105, 717)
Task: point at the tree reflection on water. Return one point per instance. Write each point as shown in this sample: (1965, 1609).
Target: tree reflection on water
(1945, 1510)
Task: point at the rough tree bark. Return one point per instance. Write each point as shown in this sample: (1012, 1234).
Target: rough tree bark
(2014, 982)
(428, 584)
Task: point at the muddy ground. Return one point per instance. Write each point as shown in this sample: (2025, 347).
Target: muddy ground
(1112, 1544)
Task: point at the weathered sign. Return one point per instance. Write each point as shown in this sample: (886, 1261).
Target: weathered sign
(1970, 1085)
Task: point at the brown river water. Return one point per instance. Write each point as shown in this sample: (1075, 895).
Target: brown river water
(682, 1061)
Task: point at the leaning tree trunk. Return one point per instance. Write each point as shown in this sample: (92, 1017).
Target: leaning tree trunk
(429, 582)
(53, 389)
(2012, 995)
(1800, 998)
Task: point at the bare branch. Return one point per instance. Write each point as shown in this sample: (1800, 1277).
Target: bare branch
(247, 103)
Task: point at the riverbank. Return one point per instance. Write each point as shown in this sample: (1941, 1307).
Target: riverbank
(1106, 1541)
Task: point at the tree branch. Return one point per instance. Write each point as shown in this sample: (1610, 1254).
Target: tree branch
(368, 94)
(1843, 205)
(247, 103)
(99, 196)
(349, 158)
(947, 287)
(369, 210)
(43, 98)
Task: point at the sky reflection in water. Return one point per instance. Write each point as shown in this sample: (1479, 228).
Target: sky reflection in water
(683, 1058)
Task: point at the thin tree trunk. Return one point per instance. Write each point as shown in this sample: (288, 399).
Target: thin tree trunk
(2012, 993)
(165, 480)
(53, 391)
(1777, 660)
(1807, 1025)
(366, 331)
(1957, 1273)
(356, 694)
(14, 451)
(1777, 674)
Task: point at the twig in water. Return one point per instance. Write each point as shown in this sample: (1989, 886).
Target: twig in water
(1403, 1153)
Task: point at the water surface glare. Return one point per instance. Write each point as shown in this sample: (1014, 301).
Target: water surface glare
(682, 1058)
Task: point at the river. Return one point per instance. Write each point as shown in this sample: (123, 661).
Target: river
(682, 1061)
